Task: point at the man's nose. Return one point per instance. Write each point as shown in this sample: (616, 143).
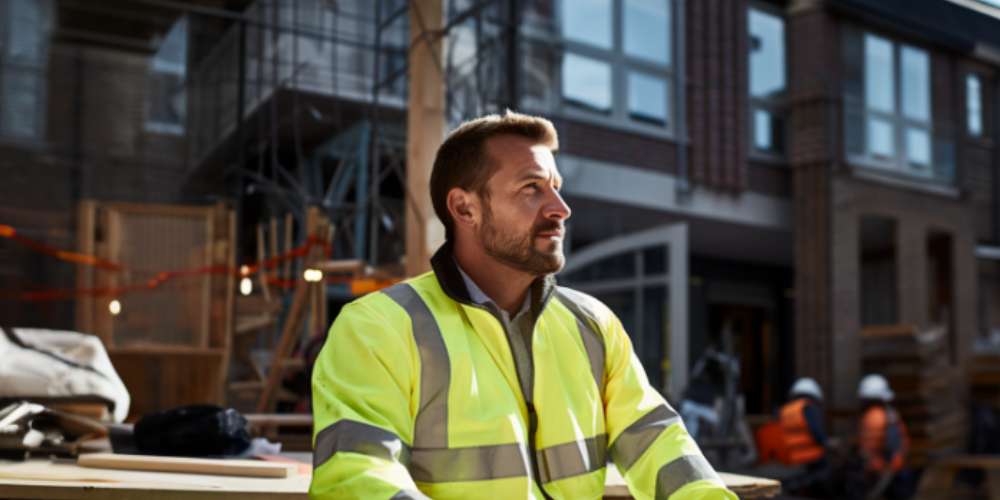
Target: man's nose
(556, 207)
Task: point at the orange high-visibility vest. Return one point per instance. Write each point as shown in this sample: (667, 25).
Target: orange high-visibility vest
(874, 423)
(800, 445)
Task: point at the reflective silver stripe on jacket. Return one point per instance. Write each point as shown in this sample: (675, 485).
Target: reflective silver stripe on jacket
(636, 439)
(431, 427)
(409, 495)
(573, 458)
(474, 463)
(359, 437)
(683, 470)
(592, 340)
(432, 461)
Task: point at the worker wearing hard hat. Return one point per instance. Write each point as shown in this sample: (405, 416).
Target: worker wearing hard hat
(804, 438)
(802, 424)
(882, 440)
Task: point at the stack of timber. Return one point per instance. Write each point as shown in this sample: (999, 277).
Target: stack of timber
(984, 377)
(926, 383)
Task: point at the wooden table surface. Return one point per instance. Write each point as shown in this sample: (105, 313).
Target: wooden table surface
(44, 479)
(40, 479)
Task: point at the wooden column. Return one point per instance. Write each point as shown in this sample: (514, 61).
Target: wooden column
(425, 129)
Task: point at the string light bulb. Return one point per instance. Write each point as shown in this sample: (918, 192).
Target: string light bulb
(246, 286)
(115, 307)
(312, 275)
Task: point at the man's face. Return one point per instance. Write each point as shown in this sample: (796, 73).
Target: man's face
(523, 213)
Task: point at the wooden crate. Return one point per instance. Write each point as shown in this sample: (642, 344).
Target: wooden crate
(170, 344)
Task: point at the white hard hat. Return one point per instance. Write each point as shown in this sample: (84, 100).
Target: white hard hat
(874, 386)
(806, 386)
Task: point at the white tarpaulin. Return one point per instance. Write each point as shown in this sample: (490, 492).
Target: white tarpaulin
(54, 363)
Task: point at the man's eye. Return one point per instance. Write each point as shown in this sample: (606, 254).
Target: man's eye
(533, 188)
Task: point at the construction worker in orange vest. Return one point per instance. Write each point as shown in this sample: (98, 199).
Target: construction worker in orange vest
(803, 436)
(882, 440)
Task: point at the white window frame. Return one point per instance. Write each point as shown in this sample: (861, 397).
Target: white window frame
(899, 164)
(620, 64)
(775, 105)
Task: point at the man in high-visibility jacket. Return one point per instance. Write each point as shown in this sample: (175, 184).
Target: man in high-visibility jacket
(882, 439)
(804, 438)
(483, 378)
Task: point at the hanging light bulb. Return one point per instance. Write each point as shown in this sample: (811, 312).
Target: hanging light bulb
(246, 286)
(312, 275)
(115, 307)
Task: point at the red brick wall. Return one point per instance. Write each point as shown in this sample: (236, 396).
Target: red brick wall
(717, 89)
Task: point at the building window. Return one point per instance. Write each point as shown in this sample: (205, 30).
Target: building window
(24, 42)
(166, 101)
(767, 81)
(888, 109)
(605, 60)
(974, 105)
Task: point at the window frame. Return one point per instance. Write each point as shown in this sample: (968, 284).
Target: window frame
(150, 124)
(551, 41)
(983, 131)
(776, 105)
(38, 67)
(899, 164)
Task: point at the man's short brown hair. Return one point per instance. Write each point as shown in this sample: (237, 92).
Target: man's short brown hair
(462, 160)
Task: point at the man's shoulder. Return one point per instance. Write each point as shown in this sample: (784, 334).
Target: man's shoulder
(583, 303)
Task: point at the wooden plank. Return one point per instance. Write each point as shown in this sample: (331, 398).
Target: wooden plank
(273, 238)
(160, 209)
(289, 335)
(205, 329)
(288, 245)
(425, 130)
(261, 257)
(42, 479)
(113, 231)
(246, 468)
(228, 314)
(86, 214)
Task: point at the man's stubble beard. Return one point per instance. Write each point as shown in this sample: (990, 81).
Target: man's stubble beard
(518, 251)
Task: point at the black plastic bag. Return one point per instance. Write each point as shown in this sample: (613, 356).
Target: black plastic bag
(193, 431)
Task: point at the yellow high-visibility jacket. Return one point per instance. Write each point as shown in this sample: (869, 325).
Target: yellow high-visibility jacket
(416, 394)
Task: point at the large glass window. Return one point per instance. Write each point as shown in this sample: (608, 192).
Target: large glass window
(888, 108)
(767, 80)
(973, 105)
(608, 60)
(24, 32)
(167, 99)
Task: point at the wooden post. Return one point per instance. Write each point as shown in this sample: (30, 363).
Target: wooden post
(424, 133)
(289, 333)
(273, 238)
(261, 257)
(85, 221)
(288, 246)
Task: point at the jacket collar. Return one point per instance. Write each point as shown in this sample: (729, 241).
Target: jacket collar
(446, 269)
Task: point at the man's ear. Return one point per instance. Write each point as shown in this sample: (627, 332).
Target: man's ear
(463, 207)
